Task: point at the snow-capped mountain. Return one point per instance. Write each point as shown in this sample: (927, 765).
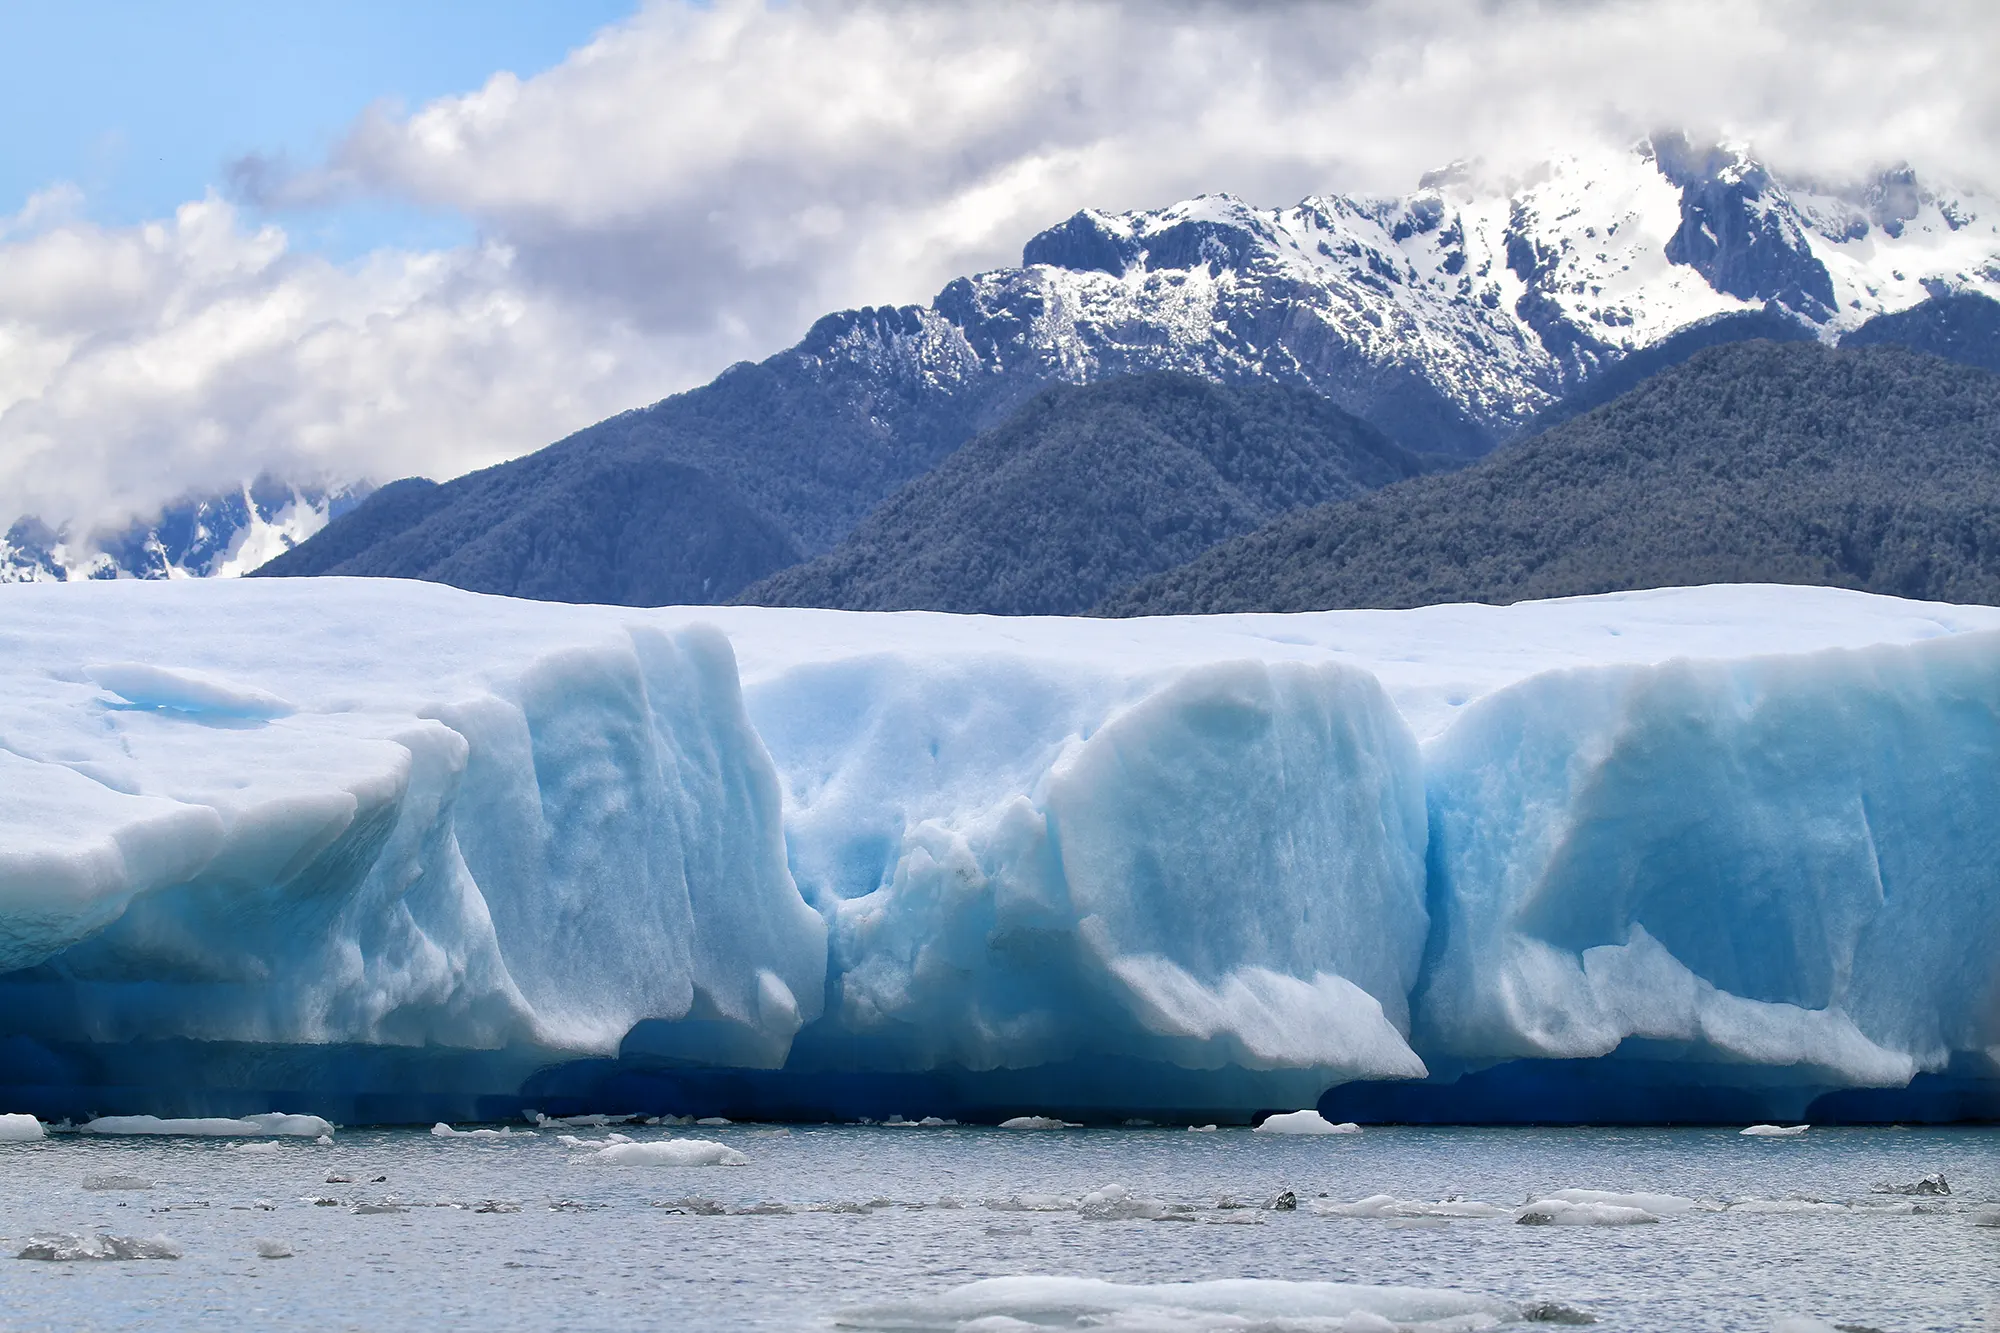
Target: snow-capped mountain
(1451, 315)
(1448, 318)
(196, 537)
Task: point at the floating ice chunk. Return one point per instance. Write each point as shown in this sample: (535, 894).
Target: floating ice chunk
(1775, 1131)
(249, 1126)
(1934, 1183)
(67, 1246)
(670, 1152)
(181, 691)
(444, 1131)
(20, 1129)
(365, 1209)
(1388, 1205)
(1201, 1129)
(1042, 1302)
(1661, 1205)
(1787, 1206)
(713, 1120)
(1305, 1122)
(324, 1140)
(1117, 1203)
(928, 1122)
(116, 1182)
(1032, 1203)
(266, 1148)
(274, 1249)
(1562, 1213)
(1038, 1122)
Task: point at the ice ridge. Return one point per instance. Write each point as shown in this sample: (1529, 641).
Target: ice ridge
(456, 855)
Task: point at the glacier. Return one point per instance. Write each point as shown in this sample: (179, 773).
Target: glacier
(385, 851)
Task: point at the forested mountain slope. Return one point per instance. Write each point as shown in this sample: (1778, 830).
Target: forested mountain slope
(1087, 489)
(1874, 468)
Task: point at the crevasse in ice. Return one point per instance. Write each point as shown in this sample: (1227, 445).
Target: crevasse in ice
(397, 851)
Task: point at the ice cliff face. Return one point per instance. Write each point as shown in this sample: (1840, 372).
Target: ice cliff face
(420, 845)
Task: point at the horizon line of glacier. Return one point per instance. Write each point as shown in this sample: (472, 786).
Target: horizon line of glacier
(392, 851)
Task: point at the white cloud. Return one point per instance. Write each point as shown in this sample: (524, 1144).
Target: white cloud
(696, 184)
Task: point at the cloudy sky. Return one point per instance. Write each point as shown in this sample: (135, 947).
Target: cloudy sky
(374, 240)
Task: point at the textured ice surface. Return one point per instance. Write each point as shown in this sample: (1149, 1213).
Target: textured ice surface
(427, 844)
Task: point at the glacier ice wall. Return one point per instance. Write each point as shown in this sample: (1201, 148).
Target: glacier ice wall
(1780, 862)
(389, 850)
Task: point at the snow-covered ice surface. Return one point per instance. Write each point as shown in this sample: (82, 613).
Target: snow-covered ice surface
(427, 844)
(403, 1229)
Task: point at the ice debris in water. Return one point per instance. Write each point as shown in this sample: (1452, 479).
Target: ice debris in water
(1305, 1122)
(670, 1152)
(273, 1249)
(1775, 1131)
(247, 1127)
(1787, 1206)
(263, 1149)
(1038, 1122)
(1032, 1203)
(1041, 1302)
(1563, 1213)
(20, 1129)
(1934, 1183)
(68, 1246)
(713, 1120)
(1388, 1205)
(443, 1131)
(1117, 1203)
(595, 1120)
(116, 1182)
(1201, 1129)
(1660, 1205)
(928, 1122)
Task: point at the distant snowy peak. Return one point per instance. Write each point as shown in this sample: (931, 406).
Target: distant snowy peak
(217, 536)
(1462, 309)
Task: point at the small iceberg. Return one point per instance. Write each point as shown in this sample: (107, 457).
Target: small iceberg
(1234, 1303)
(247, 1127)
(443, 1131)
(1563, 1213)
(1388, 1205)
(21, 1129)
(1775, 1131)
(670, 1152)
(1305, 1122)
(1038, 1122)
(1934, 1183)
(1117, 1203)
(1660, 1205)
(67, 1247)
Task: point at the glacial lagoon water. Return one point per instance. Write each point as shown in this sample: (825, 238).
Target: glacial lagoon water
(876, 1227)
